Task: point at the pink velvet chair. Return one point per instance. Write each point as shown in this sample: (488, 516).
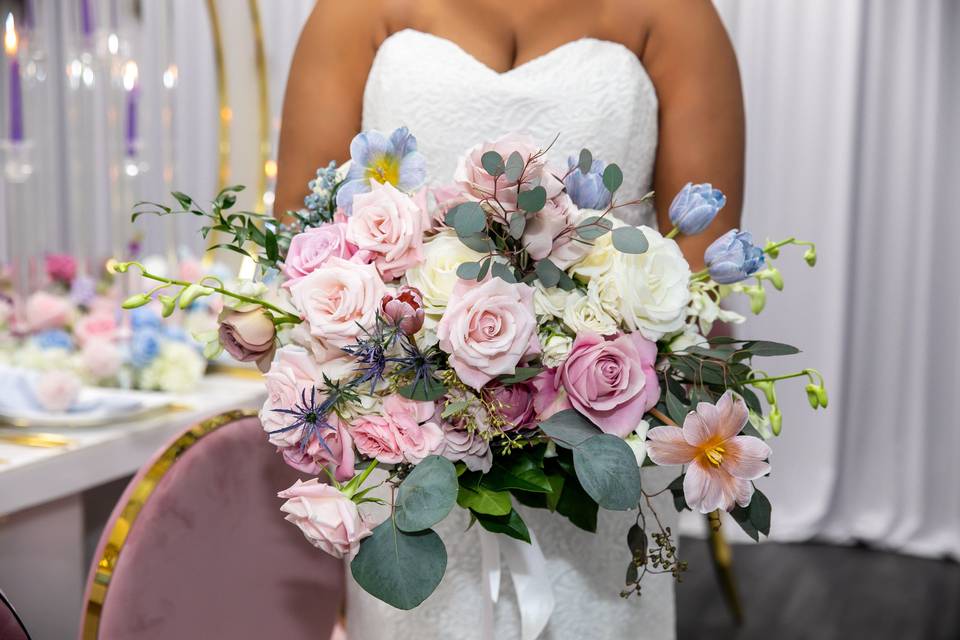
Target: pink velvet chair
(11, 627)
(197, 548)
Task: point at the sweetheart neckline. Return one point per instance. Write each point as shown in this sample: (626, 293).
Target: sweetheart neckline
(531, 62)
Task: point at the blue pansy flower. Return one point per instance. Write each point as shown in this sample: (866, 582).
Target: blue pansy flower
(53, 339)
(373, 156)
(144, 347)
(145, 318)
(695, 207)
(733, 257)
(587, 191)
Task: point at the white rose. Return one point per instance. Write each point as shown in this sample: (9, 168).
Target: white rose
(654, 286)
(584, 312)
(637, 441)
(599, 259)
(339, 301)
(549, 302)
(555, 349)
(605, 291)
(436, 275)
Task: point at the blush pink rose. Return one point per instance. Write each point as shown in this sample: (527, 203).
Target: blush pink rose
(611, 382)
(327, 518)
(474, 180)
(404, 432)
(338, 452)
(388, 224)
(487, 329)
(311, 249)
(339, 301)
(47, 311)
(57, 390)
(101, 358)
(99, 325)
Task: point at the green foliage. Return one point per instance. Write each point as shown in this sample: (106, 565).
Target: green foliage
(754, 519)
(479, 499)
(593, 227)
(514, 167)
(492, 163)
(533, 200)
(612, 177)
(426, 495)
(629, 240)
(607, 469)
(510, 524)
(585, 161)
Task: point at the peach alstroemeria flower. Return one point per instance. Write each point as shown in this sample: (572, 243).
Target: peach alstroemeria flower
(721, 464)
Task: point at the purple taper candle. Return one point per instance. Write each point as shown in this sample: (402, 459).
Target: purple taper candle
(132, 86)
(86, 18)
(15, 93)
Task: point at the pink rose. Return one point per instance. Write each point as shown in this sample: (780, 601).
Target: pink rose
(249, 336)
(611, 382)
(47, 311)
(311, 249)
(387, 223)
(101, 358)
(313, 457)
(339, 301)
(548, 399)
(403, 432)
(191, 270)
(61, 268)
(488, 328)
(477, 183)
(404, 310)
(515, 403)
(549, 233)
(292, 376)
(327, 518)
(57, 390)
(98, 325)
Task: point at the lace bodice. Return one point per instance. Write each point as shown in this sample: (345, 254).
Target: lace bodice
(592, 93)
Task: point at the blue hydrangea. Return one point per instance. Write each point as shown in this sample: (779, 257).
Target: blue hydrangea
(145, 318)
(144, 346)
(733, 257)
(53, 339)
(587, 191)
(373, 156)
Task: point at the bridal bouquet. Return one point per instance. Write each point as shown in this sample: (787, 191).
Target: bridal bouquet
(505, 340)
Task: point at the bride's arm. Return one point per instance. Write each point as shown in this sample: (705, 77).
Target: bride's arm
(692, 64)
(324, 97)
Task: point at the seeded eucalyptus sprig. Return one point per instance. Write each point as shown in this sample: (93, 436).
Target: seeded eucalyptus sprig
(242, 227)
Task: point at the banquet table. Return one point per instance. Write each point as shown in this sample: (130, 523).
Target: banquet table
(54, 501)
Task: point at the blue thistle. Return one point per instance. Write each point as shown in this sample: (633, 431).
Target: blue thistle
(310, 417)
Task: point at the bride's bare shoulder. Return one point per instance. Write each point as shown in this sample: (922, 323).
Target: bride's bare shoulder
(365, 21)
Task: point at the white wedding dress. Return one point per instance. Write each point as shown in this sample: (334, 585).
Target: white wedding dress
(592, 93)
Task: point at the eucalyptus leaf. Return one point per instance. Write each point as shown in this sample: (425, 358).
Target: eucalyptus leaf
(484, 268)
(469, 219)
(607, 469)
(518, 222)
(676, 409)
(514, 167)
(629, 240)
(468, 270)
(612, 177)
(484, 500)
(400, 568)
(502, 271)
(593, 227)
(548, 272)
(426, 495)
(585, 162)
(479, 242)
(492, 163)
(533, 200)
(569, 429)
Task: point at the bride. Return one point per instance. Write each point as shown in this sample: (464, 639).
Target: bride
(649, 84)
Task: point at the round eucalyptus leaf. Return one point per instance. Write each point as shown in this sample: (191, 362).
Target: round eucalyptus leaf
(427, 495)
(593, 227)
(533, 200)
(469, 219)
(400, 568)
(629, 240)
(585, 161)
(468, 270)
(514, 166)
(608, 472)
(492, 163)
(612, 177)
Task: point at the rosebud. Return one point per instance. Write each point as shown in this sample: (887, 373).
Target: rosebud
(249, 336)
(404, 310)
(772, 249)
(695, 207)
(733, 257)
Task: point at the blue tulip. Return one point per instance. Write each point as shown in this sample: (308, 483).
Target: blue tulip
(53, 339)
(144, 347)
(587, 191)
(373, 156)
(733, 257)
(695, 207)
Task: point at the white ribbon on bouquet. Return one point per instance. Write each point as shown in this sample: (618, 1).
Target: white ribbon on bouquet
(531, 582)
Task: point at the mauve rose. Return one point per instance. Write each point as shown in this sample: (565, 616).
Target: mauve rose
(47, 311)
(314, 457)
(475, 182)
(488, 328)
(404, 309)
(548, 398)
(611, 382)
(61, 268)
(327, 518)
(549, 233)
(463, 432)
(98, 325)
(402, 433)
(339, 301)
(249, 336)
(311, 249)
(388, 224)
(514, 402)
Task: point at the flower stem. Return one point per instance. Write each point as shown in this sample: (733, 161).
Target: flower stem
(672, 233)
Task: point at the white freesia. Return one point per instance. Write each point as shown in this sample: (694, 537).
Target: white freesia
(637, 441)
(584, 312)
(437, 274)
(653, 286)
(554, 349)
(705, 298)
